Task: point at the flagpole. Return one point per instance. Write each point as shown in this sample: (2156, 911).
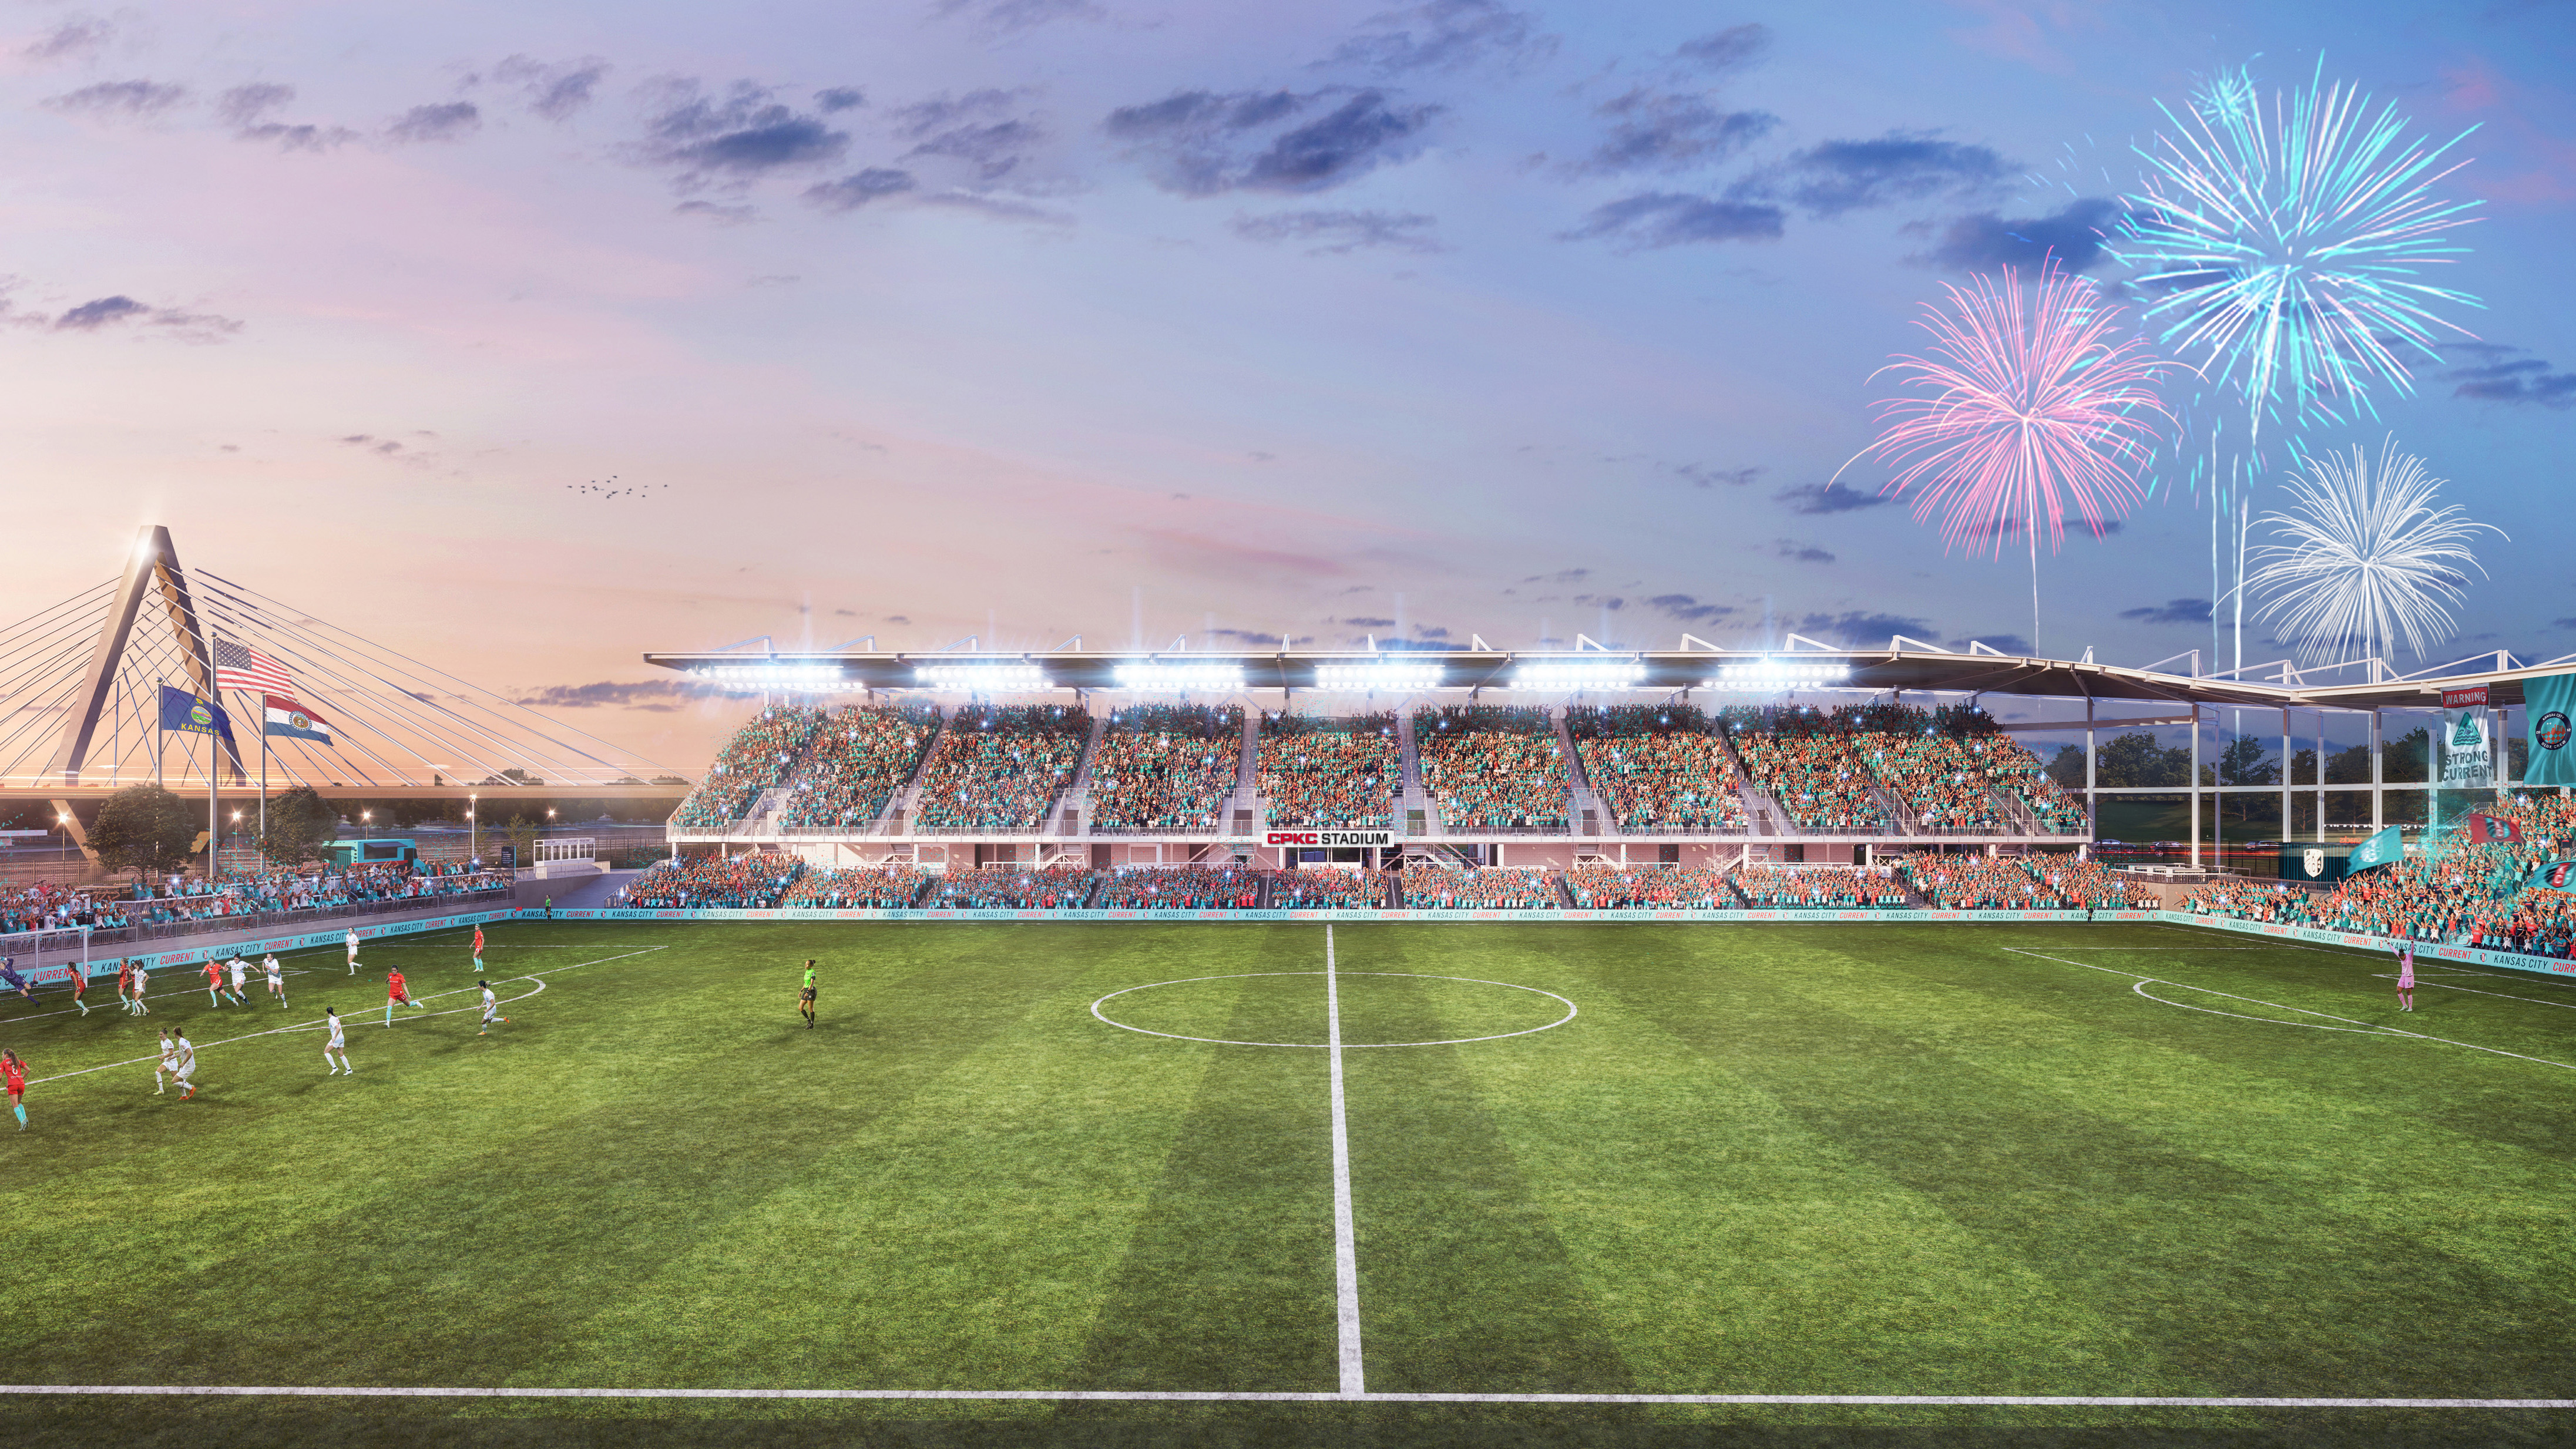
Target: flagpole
(214, 836)
(160, 727)
(263, 767)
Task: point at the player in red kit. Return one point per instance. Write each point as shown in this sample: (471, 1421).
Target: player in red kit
(396, 994)
(13, 1075)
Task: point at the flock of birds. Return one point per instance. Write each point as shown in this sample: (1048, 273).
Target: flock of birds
(606, 490)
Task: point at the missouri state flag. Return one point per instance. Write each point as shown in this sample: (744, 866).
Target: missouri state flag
(295, 722)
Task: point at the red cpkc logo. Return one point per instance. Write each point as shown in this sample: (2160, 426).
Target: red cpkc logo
(1292, 837)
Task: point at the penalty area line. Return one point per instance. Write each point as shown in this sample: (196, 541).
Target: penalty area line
(1284, 1396)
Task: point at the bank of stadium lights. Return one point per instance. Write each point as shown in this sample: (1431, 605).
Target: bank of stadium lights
(1181, 678)
(1772, 675)
(980, 678)
(808, 678)
(1561, 677)
(1375, 678)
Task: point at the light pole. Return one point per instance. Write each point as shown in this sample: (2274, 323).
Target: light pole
(236, 830)
(367, 823)
(473, 829)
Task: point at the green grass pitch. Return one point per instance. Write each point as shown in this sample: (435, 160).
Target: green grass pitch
(2023, 1160)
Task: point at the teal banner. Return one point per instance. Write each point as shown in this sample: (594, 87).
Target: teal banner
(2386, 848)
(2558, 875)
(2549, 703)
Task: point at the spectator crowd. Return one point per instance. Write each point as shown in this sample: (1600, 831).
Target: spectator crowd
(757, 757)
(999, 768)
(1013, 887)
(1650, 887)
(861, 757)
(1657, 767)
(889, 887)
(1166, 767)
(753, 881)
(1492, 767)
(1333, 774)
(1483, 888)
(1183, 888)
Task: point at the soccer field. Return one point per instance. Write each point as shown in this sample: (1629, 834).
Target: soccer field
(1855, 1161)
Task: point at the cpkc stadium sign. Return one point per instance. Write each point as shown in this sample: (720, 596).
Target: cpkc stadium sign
(1329, 837)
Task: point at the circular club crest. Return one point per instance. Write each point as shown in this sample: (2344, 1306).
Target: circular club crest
(198, 714)
(300, 720)
(2551, 730)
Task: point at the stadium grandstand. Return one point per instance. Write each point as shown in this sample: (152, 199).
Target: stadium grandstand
(1700, 779)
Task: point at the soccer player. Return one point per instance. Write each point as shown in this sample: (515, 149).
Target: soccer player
(142, 979)
(478, 950)
(805, 996)
(240, 974)
(214, 982)
(2406, 976)
(17, 983)
(125, 984)
(276, 979)
(396, 993)
(184, 1071)
(80, 985)
(337, 1046)
(353, 950)
(491, 1009)
(169, 1061)
(13, 1072)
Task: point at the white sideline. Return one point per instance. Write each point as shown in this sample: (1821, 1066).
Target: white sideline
(1288, 1396)
(1346, 1254)
(2351, 1024)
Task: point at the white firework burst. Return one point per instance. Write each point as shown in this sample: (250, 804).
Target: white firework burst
(2367, 559)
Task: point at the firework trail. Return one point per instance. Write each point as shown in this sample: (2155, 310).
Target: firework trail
(2286, 246)
(2030, 405)
(2368, 558)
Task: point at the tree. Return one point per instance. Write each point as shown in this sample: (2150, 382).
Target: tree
(300, 823)
(523, 840)
(2246, 762)
(2066, 767)
(2402, 759)
(2136, 761)
(145, 829)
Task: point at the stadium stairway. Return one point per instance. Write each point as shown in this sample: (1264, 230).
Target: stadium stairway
(1584, 810)
(1762, 814)
(899, 806)
(1417, 816)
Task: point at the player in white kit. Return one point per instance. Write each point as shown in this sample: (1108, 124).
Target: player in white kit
(353, 950)
(185, 1071)
(337, 1046)
(169, 1062)
(241, 976)
(491, 1010)
(276, 979)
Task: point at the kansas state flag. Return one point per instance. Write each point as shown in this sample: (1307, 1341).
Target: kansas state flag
(2386, 848)
(187, 714)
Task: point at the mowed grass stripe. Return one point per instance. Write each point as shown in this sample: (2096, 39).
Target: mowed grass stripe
(2247, 1283)
(1465, 1284)
(963, 1238)
(1226, 1282)
(1732, 1246)
(483, 1236)
(2333, 1121)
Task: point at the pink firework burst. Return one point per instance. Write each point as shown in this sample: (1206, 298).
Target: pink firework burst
(2030, 406)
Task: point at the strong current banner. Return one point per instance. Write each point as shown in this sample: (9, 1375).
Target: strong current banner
(2549, 703)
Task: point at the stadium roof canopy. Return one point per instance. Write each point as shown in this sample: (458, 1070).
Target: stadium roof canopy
(1582, 671)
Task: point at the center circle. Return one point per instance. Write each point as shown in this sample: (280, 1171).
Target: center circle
(1502, 1012)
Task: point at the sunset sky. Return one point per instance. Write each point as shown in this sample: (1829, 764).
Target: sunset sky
(528, 339)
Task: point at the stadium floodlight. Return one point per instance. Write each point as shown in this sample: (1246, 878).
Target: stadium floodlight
(798, 678)
(1371, 678)
(1181, 678)
(1560, 676)
(981, 678)
(1771, 675)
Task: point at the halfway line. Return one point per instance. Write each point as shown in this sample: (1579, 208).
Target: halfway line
(1289, 1396)
(1346, 1255)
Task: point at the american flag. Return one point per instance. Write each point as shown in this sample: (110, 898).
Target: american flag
(241, 667)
